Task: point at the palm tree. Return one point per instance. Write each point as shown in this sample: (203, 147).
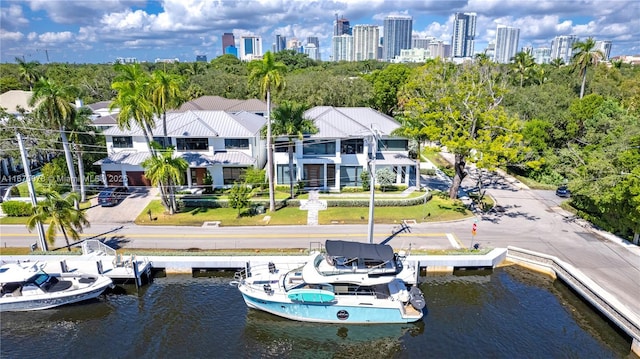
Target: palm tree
(165, 95)
(586, 56)
(557, 62)
(288, 121)
(132, 85)
(523, 62)
(63, 216)
(54, 105)
(269, 74)
(28, 71)
(167, 171)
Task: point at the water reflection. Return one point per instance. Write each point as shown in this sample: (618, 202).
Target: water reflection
(278, 337)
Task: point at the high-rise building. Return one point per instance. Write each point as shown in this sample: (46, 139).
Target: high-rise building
(397, 35)
(342, 48)
(201, 58)
(421, 42)
(250, 48)
(313, 40)
(341, 26)
(605, 48)
(227, 40)
(365, 42)
(562, 47)
(312, 51)
(464, 34)
(439, 49)
(281, 43)
(541, 55)
(507, 38)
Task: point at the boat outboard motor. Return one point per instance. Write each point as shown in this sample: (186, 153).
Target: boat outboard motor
(272, 267)
(416, 298)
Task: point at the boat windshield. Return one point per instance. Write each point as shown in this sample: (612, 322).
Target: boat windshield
(40, 278)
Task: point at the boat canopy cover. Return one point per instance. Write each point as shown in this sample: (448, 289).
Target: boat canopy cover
(347, 249)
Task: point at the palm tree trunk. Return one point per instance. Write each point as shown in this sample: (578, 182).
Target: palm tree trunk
(584, 81)
(164, 129)
(69, 159)
(272, 199)
(83, 194)
(290, 150)
(172, 198)
(66, 238)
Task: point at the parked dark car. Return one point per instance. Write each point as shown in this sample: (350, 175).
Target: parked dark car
(563, 191)
(112, 196)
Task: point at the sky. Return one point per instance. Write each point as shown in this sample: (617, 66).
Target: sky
(99, 31)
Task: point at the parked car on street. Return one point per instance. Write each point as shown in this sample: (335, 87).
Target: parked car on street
(111, 196)
(563, 191)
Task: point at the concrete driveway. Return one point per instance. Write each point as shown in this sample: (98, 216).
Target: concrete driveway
(126, 211)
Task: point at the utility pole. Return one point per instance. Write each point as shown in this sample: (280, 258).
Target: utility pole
(372, 182)
(32, 191)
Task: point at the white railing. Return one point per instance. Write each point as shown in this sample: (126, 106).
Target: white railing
(96, 247)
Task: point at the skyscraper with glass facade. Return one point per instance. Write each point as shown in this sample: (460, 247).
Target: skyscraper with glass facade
(464, 34)
(397, 36)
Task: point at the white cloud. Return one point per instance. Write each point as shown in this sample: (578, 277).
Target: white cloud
(55, 37)
(10, 35)
(12, 17)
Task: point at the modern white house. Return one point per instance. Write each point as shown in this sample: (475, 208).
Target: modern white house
(336, 156)
(216, 142)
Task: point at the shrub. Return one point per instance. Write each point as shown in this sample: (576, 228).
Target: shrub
(17, 208)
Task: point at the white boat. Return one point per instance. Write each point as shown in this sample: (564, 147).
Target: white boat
(352, 282)
(26, 287)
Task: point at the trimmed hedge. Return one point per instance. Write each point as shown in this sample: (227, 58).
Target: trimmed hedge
(194, 202)
(17, 208)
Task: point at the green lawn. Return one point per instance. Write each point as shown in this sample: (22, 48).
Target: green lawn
(437, 209)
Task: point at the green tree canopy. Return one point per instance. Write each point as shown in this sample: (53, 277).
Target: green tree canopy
(460, 106)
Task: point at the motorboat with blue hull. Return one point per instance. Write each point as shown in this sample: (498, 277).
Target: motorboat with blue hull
(351, 283)
(26, 287)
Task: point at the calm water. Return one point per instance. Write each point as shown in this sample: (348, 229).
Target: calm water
(508, 313)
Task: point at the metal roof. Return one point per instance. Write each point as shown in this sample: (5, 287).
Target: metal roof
(201, 124)
(195, 159)
(124, 158)
(343, 122)
(393, 158)
(217, 103)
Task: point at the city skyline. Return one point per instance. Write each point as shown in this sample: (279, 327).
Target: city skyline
(100, 31)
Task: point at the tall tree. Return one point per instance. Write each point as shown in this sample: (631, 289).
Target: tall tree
(62, 215)
(165, 95)
(587, 55)
(269, 74)
(386, 83)
(289, 121)
(54, 104)
(460, 105)
(82, 132)
(134, 101)
(522, 66)
(166, 171)
(28, 71)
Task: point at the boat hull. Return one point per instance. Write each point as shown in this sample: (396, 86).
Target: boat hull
(334, 312)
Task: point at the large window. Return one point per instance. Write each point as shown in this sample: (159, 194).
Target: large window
(231, 175)
(351, 147)
(350, 176)
(236, 143)
(122, 142)
(192, 144)
(282, 146)
(283, 174)
(319, 147)
(393, 145)
(162, 141)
